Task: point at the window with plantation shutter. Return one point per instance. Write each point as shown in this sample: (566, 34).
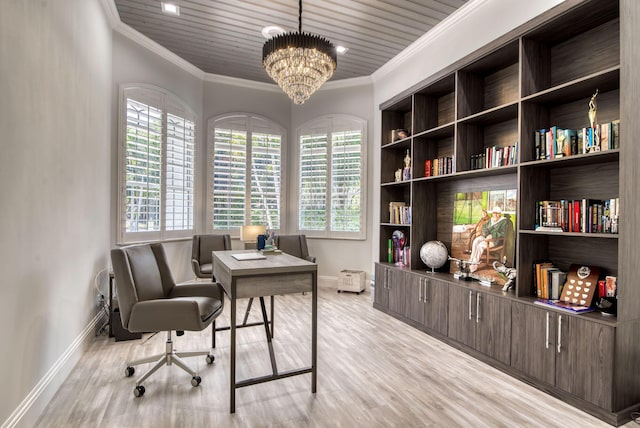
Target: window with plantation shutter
(245, 173)
(331, 177)
(157, 166)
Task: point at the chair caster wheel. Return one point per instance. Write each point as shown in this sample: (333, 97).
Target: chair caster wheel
(129, 371)
(138, 391)
(210, 359)
(195, 381)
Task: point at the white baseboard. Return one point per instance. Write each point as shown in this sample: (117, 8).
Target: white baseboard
(28, 412)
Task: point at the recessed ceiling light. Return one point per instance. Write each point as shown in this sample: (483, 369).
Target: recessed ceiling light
(170, 8)
(341, 49)
(272, 30)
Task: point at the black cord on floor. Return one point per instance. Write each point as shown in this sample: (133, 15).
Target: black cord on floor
(635, 416)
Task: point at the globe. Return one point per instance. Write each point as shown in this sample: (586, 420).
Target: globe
(434, 254)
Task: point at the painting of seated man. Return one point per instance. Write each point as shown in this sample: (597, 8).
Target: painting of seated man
(484, 231)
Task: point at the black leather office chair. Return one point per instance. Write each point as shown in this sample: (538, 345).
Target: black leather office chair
(201, 250)
(150, 300)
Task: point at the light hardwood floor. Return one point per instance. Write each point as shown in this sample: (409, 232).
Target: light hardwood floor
(373, 371)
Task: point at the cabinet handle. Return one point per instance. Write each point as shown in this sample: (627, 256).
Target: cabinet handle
(388, 283)
(470, 296)
(559, 333)
(425, 291)
(477, 308)
(420, 291)
(547, 335)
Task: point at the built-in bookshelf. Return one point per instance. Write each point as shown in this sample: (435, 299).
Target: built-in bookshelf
(496, 103)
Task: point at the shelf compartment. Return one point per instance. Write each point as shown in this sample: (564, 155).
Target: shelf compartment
(489, 82)
(563, 251)
(568, 113)
(497, 127)
(434, 105)
(399, 193)
(386, 231)
(554, 54)
(565, 180)
(397, 116)
(393, 160)
(430, 146)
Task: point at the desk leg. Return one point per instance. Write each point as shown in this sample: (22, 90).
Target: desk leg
(232, 374)
(272, 312)
(314, 332)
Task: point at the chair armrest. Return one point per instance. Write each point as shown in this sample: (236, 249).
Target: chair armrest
(197, 289)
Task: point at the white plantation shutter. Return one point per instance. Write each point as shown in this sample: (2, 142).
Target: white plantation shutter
(313, 182)
(143, 166)
(266, 171)
(181, 147)
(331, 178)
(245, 173)
(157, 166)
(229, 169)
(346, 170)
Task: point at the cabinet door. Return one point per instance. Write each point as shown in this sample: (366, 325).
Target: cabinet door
(584, 359)
(462, 323)
(414, 297)
(381, 292)
(493, 321)
(396, 285)
(533, 339)
(436, 298)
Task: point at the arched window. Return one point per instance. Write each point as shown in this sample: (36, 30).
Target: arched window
(331, 177)
(245, 168)
(157, 135)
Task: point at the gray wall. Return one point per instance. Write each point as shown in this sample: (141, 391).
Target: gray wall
(55, 182)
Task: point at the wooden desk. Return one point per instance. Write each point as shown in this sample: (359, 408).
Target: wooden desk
(277, 274)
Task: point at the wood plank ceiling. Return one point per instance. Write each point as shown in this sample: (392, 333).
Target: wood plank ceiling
(224, 36)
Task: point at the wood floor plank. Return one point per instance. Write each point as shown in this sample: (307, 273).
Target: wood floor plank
(373, 371)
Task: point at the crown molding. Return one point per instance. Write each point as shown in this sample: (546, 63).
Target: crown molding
(427, 38)
(243, 83)
(347, 83)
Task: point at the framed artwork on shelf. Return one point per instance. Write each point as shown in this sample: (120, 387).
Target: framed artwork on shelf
(484, 232)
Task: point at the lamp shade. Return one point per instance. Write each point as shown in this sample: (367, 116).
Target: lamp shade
(250, 233)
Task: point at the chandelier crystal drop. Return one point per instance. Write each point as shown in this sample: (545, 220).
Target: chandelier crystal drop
(299, 62)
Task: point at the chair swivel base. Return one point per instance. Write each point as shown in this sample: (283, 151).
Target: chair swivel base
(169, 357)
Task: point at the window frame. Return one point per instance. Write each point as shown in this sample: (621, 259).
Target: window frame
(169, 104)
(328, 123)
(271, 126)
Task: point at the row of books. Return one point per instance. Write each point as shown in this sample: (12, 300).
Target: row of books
(548, 280)
(583, 215)
(495, 156)
(399, 213)
(439, 166)
(556, 142)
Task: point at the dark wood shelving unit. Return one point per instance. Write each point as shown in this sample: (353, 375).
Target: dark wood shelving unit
(540, 75)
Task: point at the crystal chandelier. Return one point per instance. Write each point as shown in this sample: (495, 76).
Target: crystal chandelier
(299, 62)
